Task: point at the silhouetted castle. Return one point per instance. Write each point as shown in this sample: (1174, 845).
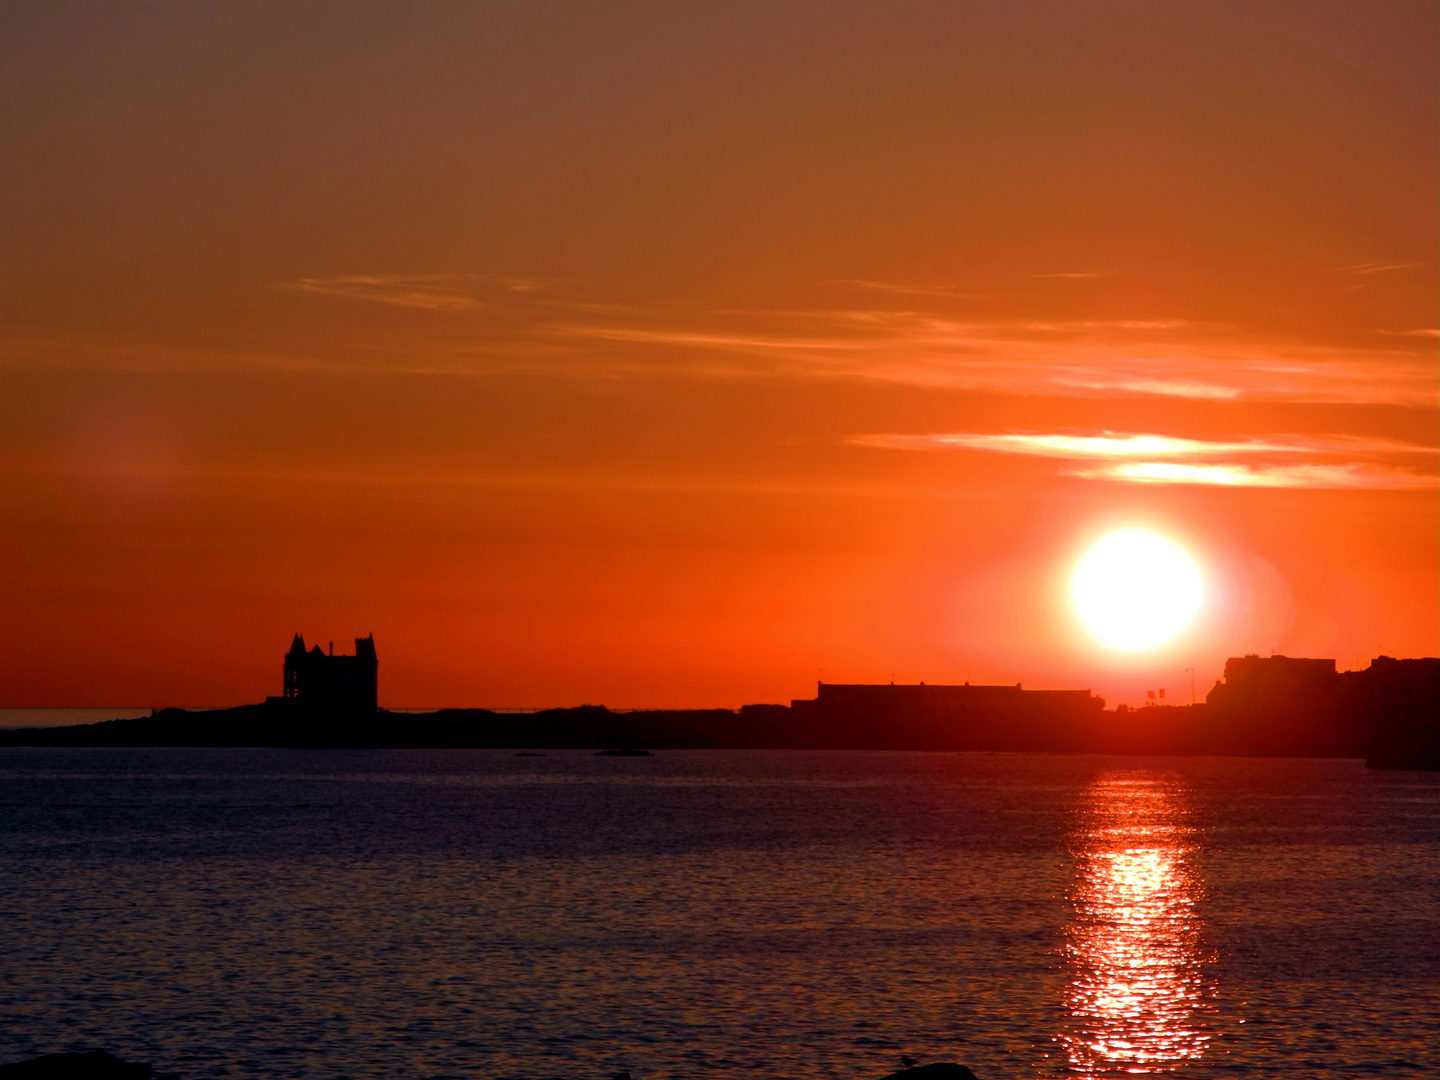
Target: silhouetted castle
(325, 683)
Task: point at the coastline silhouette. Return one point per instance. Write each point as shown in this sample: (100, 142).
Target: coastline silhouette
(1274, 706)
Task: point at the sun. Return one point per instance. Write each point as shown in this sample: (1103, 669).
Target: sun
(1135, 590)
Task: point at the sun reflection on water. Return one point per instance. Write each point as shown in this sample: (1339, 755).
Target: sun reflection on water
(1138, 964)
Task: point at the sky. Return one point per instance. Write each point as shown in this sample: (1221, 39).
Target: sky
(661, 355)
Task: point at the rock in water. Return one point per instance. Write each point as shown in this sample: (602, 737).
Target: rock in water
(939, 1070)
(95, 1065)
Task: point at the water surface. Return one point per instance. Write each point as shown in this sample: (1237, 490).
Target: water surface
(472, 913)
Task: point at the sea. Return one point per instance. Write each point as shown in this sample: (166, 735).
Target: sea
(485, 913)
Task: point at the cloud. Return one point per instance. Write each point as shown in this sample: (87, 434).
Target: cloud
(430, 292)
(1379, 268)
(562, 329)
(1354, 476)
(1110, 445)
(1151, 459)
(1079, 274)
(912, 290)
(1170, 358)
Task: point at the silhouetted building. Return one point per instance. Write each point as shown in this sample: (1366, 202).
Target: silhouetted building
(964, 717)
(1271, 682)
(935, 698)
(1401, 700)
(1389, 712)
(1395, 682)
(325, 683)
(1289, 684)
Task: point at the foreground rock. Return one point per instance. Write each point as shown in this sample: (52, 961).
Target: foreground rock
(939, 1070)
(94, 1065)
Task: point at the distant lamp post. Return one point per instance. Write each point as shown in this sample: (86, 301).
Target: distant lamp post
(1191, 670)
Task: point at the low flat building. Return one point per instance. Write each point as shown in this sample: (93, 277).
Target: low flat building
(937, 697)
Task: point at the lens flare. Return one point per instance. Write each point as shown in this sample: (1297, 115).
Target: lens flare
(1135, 590)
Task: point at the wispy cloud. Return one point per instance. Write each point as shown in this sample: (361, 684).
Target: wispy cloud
(564, 329)
(1076, 274)
(1161, 459)
(1077, 358)
(1354, 476)
(912, 290)
(1111, 445)
(1379, 268)
(554, 330)
(429, 292)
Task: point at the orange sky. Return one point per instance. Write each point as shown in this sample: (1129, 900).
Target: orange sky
(666, 355)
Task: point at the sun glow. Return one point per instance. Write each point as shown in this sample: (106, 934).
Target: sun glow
(1135, 590)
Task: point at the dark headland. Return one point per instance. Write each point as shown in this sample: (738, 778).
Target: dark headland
(1388, 713)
